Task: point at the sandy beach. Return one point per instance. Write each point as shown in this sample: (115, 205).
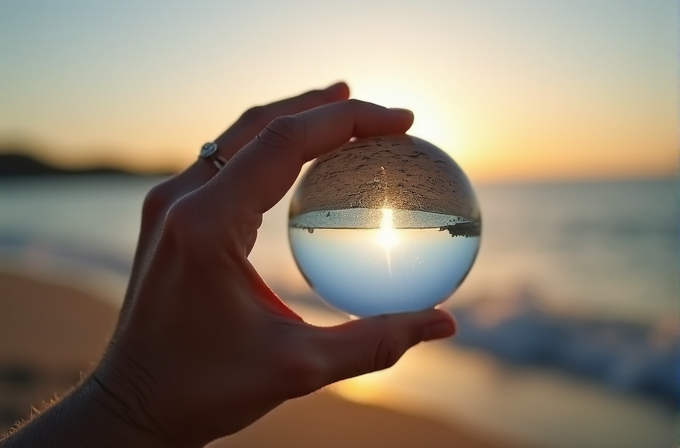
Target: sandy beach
(50, 333)
(398, 172)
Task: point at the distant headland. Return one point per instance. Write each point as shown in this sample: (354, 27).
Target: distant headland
(15, 165)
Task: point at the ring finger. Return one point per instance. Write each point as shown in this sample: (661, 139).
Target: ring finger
(250, 124)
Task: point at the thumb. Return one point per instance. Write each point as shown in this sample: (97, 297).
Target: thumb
(376, 343)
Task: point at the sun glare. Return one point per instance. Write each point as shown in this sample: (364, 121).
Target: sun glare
(387, 236)
(435, 119)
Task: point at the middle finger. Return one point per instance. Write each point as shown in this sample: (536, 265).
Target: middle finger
(246, 128)
(255, 119)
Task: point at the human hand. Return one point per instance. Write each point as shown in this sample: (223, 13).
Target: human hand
(203, 347)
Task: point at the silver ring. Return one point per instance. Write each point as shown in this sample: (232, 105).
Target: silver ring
(209, 152)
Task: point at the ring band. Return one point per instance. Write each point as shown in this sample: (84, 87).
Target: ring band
(209, 152)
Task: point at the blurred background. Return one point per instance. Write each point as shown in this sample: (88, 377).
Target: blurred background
(563, 114)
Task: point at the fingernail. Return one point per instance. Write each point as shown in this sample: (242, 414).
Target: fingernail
(401, 111)
(439, 330)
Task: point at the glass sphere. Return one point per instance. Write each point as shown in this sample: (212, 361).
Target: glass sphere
(384, 225)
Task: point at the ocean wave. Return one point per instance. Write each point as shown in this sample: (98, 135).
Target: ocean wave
(18, 247)
(627, 357)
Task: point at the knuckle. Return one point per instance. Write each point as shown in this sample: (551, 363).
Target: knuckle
(302, 374)
(283, 132)
(257, 115)
(388, 350)
(177, 217)
(354, 103)
(315, 97)
(382, 322)
(156, 202)
(180, 224)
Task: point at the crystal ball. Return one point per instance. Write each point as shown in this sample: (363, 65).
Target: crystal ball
(384, 225)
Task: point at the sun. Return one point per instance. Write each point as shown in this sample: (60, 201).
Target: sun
(435, 119)
(387, 236)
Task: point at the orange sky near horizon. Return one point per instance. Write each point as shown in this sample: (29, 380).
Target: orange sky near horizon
(513, 90)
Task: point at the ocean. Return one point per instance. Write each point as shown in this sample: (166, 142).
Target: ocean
(579, 280)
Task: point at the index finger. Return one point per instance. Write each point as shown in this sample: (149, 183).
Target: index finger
(255, 119)
(259, 175)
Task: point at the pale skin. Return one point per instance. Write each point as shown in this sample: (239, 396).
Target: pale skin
(203, 347)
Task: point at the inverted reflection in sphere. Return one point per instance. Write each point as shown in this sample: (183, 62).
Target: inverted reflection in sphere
(384, 225)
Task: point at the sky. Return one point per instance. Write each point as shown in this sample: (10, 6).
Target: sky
(512, 89)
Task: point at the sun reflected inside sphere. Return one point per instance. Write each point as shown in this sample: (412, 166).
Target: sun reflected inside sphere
(384, 225)
(387, 237)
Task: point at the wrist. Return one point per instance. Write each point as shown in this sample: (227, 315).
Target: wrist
(89, 416)
(117, 412)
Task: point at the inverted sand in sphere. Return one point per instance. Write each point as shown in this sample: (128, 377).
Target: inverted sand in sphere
(398, 172)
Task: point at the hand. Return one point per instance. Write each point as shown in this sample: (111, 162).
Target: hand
(203, 347)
